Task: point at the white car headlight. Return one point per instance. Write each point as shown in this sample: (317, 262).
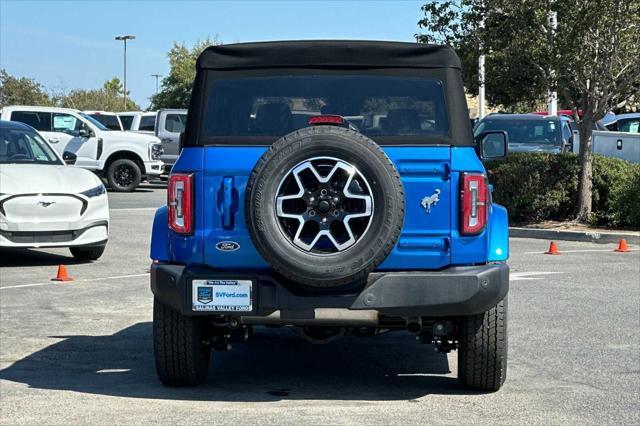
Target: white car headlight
(95, 192)
(155, 150)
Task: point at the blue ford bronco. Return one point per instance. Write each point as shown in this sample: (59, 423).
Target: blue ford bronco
(334, 187)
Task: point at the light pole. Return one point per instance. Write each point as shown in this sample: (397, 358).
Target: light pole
(124, 38)
(157, 76)
(481, 74)
(552, 98)
(481, 87)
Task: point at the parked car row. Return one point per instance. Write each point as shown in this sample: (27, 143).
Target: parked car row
(539, 132)
(136, 121)
(124, 148)
(123, 158)
(166, 124)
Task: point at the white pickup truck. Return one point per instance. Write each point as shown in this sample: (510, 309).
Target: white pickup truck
(622, 140)
(623, 145)
(124, 158)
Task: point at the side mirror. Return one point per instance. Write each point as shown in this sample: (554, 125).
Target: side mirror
(492, 145)
(85, 133)
(69, 158)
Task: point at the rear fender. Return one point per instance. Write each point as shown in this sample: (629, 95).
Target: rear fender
(160, 235)
(498, 234)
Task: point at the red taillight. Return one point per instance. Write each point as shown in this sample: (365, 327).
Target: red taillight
(474, 203)
(325, 119)
(180, 201)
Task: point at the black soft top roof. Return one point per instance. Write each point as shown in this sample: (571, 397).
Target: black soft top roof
(327, 54)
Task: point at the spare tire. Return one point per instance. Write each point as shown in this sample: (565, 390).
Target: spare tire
(324, 206)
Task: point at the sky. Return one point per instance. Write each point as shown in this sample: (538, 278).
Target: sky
(70, 44)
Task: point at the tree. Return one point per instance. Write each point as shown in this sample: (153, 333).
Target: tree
(591, 59)
(21, 91)
(114, 86)
(109, 98)
(176, 87)
(515, 82)
(100, 100)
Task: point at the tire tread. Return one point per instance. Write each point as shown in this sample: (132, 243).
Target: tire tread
(482, 356)
(182, 358)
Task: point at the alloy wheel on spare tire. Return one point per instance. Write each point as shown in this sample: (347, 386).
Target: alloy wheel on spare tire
(324, 206)
(124, 175)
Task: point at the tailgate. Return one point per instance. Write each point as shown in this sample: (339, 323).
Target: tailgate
(423, 243)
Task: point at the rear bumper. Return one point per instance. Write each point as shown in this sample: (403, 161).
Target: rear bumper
(456, 291)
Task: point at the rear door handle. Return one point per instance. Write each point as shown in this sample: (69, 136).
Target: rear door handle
(54, 140)
(227, 203)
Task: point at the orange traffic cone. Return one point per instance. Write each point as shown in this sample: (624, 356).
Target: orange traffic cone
(553, 249)
(62, 274)
(622, 246)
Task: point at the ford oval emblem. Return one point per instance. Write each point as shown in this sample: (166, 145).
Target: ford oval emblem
(227, 246)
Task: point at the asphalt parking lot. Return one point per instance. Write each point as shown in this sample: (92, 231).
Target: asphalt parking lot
(80, 352)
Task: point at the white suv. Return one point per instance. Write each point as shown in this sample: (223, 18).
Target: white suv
(124, 158)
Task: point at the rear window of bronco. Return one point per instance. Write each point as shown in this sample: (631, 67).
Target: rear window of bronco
(267, 108)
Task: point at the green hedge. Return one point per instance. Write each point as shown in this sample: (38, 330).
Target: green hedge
(536, 187)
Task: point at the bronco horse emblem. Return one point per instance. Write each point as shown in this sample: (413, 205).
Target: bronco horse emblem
(431, 200)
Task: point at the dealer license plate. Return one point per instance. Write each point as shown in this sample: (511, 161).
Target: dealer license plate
(222, 295)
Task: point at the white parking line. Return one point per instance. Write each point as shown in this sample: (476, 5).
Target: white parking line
(114, 370)
(520, 276)
(116, 277)
(578, 251)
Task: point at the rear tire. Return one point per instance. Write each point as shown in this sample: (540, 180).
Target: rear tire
(482, 356)
(180, 346)
(87, 253)
(124, 175)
